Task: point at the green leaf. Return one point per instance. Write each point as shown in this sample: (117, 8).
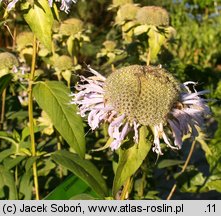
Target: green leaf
(40, 19)
(53, 98)
(82, 168)
(7, 152)
(20, 115)
(82, 197)
(7, 184)
(9, 163)
(155, 41)
(214, 159)
(190, 181)
(4, 81)
(131, 159)
(214, 185)
(140, 29)
(30, 161)
(25, 185)
(47, 166)
(167, 163)
(68, 189)
(218, 90)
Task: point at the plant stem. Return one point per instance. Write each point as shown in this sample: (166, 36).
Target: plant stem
(183, 169)
(148, 56)
(3, 109)
(59, 141)
(31, 118)
(125, 192)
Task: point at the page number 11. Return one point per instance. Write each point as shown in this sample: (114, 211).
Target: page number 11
(211, 208)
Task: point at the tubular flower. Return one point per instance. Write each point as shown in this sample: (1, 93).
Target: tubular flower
(11, 4)
(141, 95)
(65, 4)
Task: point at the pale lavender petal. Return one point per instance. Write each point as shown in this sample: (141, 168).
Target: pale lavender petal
(111, 116)
(185, 85)
(194, 95)
(50, 2)
(118, 120)
(115, 144)
(156, 148)
(124, 131)
(183, 120)
(97, 74)
(176, 133)
(136, 135)
(11, 5)
(166, 140)
(110, 131)
(90, 101)
(93, 121)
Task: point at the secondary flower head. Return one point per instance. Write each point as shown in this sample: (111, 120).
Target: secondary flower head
(141, 95)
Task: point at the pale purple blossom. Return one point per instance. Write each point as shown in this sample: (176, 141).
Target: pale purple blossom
(65, 4)
(181, 120)
(11, 4)
(90, 99)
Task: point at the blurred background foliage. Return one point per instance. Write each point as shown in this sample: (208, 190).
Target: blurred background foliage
(106, 35)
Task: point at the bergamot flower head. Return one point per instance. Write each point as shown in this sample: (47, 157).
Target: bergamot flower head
(141, 95)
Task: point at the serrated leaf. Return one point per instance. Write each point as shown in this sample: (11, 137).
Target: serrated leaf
(190, 180)
(70, 44)
(4, 81)
(131, 159)
(7, 152)
(9, 163)
(82, 168)
(204, 146)
(167, 163)
(53, 98)
(40, 19)
(25, 185)
(141, 29)
(7, 184)
(69, 188)
(47, 166)
(155, 41)
(8, 137)
(30, 161)
(214, 185)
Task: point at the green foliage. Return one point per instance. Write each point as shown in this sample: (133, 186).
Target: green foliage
(73, 162)
(7, 184)
(71, 188)
(53, 97)
(83, 169)
(40, 19)
(4, 81)
(130, 159)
